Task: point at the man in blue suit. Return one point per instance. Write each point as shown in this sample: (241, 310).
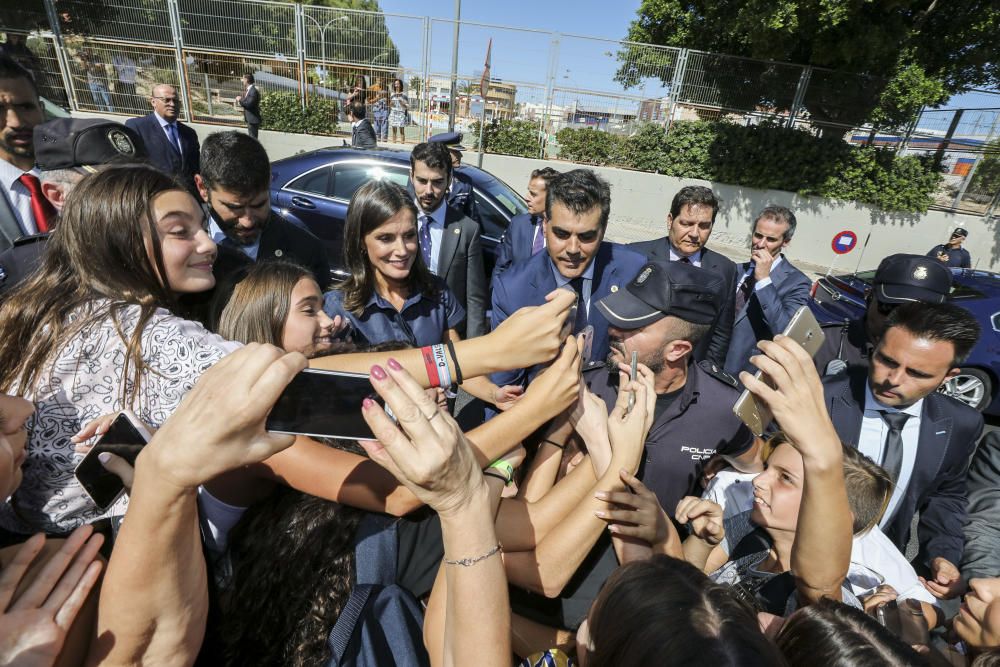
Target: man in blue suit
(577, 207)
(172, 146)
(891, 412)
(525, 235)
(769, 289)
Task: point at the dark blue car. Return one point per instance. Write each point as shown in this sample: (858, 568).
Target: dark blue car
(836, 298)
(313, 189)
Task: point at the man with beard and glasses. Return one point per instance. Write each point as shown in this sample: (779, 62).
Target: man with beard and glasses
(234, 184)
(24, 210)
(892, 413)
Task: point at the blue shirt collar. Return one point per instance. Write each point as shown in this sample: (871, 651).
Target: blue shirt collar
(437, 216)
(562, 280)
(376, 299)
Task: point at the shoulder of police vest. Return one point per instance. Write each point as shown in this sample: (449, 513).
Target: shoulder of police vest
(716, 371)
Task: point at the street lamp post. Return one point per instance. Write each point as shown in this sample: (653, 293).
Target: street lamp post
(322, 36)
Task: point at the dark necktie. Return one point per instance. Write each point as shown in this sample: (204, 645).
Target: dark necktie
(175, 140)
(892, 453)
(41, 209)
(744, 292)
(425, 241)
(581, 313)
(686, 260)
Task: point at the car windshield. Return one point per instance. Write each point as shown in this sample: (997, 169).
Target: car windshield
(503, 194)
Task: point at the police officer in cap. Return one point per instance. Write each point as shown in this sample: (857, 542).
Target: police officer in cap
(899, 279)
(661, 315)
(460, 193)
(66, 150)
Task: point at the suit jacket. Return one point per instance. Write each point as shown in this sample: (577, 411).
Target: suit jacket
(284, 240)
(766, 313)
(949, 431)
(527, 283)
(460, 264)
(363, 135)
(982, 531)
(251, 105)
(10, 227)
(714, 346)
(515, 246)
(162, 153)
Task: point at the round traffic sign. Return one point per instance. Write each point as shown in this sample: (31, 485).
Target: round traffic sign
(844, 242)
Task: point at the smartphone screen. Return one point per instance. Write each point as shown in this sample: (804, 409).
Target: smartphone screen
(324, 404)
(126, 440)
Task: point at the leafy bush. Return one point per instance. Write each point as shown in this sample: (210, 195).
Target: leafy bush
(509, 137)
(283, 112)
(767, 157)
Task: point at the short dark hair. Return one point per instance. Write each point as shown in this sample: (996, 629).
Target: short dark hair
(434, 154)
(694, 195)
(545, 173)
(235, 161)
(581, 191)
(842, 635)
(11, 69)
(249, 77)
(938, 321)
(780, 214)
(357, 110)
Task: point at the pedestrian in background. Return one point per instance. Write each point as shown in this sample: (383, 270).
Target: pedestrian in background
(250, 101)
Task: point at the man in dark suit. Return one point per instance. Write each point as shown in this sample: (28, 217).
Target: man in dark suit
(172, 145)
(362, 132)
(893, 414)
(689, 224)
(460, 193)
(233, 183)
(449, 241)
(250, 101)
(525, 235)
(577, 207)
(769, 289)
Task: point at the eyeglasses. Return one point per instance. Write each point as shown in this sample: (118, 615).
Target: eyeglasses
(167, 100)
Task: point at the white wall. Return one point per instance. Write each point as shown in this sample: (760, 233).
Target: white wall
(640, 201)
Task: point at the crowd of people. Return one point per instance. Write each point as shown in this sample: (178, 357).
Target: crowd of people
(606, 507)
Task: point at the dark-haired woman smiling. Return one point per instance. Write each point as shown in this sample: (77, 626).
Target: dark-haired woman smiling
(390, 294)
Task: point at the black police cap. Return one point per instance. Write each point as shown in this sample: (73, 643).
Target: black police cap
(82, 143)
(903, 278)
(661, 289)
(453, 140)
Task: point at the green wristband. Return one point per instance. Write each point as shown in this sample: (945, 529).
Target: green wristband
(504, 467)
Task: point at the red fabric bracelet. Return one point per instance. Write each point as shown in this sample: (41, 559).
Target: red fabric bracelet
(430, 365)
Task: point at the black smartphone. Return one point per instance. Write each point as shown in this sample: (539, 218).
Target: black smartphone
(324, 404)
(125, 437)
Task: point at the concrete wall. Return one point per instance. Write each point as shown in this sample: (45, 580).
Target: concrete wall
(640, 202)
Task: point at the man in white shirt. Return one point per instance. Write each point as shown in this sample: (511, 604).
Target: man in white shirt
(768, 288)
(893, 414)
(24, 210)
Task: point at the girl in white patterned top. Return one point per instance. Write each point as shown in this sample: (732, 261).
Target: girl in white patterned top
(93, 331)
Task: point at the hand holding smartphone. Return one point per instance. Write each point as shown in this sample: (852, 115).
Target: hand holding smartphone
(804, 330)
(126, 437)
(324, 404)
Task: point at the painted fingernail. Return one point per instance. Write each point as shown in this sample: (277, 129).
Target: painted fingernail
(599, 514)
(394, 365)
(104, 457)
(378, 372)
(367, 403)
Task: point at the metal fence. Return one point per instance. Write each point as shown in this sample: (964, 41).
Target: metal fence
(106, 57)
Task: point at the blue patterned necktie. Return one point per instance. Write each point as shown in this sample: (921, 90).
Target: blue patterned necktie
(538, 242)
(425, 241)
(174, 139)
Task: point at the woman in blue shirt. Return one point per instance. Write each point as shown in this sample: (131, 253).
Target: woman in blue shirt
(390, 294)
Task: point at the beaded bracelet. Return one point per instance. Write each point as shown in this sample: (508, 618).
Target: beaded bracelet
(466, 562)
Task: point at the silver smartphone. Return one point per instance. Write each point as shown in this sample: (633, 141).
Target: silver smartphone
(804, 330)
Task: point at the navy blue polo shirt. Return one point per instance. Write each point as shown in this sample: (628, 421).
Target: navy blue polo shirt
(423, 319)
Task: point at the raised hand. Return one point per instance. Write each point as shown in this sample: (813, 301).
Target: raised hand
(557, 386)
(627, 429)
(637, 514)
(533, 335)
(219, 425)
(426, 450)
(504, 397)
(33, 625)
(704, 518)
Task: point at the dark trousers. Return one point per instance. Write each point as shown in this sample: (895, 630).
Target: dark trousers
(252, 129)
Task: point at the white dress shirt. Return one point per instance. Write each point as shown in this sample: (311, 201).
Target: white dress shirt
(18, 195)
(220, 238)
(872, 444)
(437, 217)
(585, 289)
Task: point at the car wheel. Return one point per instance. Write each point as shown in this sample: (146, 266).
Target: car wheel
(971, 386)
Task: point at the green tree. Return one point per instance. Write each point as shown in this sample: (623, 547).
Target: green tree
(986, 180)
(895, 56)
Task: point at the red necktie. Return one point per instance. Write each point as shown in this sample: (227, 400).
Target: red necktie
(41, 209)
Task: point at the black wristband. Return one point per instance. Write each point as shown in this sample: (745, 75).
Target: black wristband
(496, 475)
(454, 358)
(554, 444)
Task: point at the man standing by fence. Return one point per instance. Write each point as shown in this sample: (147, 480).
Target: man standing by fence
(250, 101)
(172, 145)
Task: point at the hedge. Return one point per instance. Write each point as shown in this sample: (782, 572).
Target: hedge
(508, 137)
(283, 112)
(766, 157)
